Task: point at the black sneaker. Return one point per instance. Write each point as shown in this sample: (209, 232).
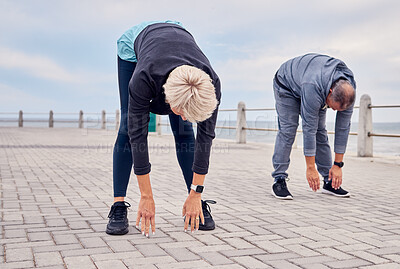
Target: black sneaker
(118, 223)
(280, 190)
(209, 223)
(328, 189)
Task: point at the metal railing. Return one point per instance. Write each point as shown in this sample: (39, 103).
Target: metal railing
(80, 121)
(365, 132)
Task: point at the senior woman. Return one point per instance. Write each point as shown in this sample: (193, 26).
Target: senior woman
(162, 70)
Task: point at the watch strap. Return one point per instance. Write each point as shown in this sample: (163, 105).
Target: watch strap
(340, 164)
(197, 188)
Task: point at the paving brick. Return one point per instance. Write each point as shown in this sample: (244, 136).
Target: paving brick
(40, 236)
(278, 256)
(229, 266)
(308, 260)
(369, 257)
(315, 266)
(15, 233)
(301, 250)
(215, 258)
(121, 246)
(48, 259)
(354, 247)
(243, 252)
(19, 265)
(151, 250)
(18, 254)
(208, 239)
(197, 249)
(80, 224)
(393, 257)
(238, 243)
(182, 254)
(270, 246)
(385, 250)
(250, 262)
(115, 264)
(116, 256)
(382, 266)
(282, 264)
(79, 262)
(95, 242)
(353, 263)
(183, 265)
(62, 239)
(331, 252)
(56, 248)
(83, 252)
(160, 261)
(183, 244)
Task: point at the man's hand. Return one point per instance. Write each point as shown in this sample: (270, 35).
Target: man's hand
(313, 178)
(193, 211)
(335, 174)
(146, 213)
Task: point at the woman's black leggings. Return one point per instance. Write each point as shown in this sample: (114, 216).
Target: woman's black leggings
(122, 155)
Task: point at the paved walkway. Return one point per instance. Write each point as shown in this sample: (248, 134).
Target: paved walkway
(56, 190)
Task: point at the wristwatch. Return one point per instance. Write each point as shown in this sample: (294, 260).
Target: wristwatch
(197, 188)
(339, 164)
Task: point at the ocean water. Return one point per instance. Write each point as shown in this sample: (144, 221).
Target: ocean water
(382, 145)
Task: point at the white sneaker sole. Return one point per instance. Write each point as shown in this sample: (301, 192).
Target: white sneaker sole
(334, 194)
(281, 198)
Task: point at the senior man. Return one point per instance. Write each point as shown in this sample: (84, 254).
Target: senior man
(307, 85)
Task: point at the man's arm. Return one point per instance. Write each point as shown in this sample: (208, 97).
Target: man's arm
(312, 173)
(311, 102)
(342, 129)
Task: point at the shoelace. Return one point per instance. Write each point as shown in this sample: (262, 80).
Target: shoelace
(118, 211)
(206, 206)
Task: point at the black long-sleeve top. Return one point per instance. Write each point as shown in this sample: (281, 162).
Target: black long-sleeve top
(159, 49)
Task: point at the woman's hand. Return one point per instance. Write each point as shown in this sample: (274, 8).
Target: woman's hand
(193, 211)
(313, 178)
(146, 213)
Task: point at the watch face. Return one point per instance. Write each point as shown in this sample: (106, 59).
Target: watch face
(340, 164)
(199, 189)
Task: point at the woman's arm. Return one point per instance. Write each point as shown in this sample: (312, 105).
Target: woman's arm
(146, 209)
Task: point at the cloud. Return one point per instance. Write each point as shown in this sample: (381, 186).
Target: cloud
(45, 68)
(35, 65)
(73, 42)
(13, 99)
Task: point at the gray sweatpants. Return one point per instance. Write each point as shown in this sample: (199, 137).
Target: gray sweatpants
(288, 110)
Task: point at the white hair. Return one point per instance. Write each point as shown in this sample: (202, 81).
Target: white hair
(191, 91)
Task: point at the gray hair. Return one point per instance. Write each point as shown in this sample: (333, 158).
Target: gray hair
(190, 90)
(342, 94)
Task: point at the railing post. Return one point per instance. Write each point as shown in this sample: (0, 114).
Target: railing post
(158, 124)
(117, 119)
(21, 119)
(81, 119)
(51, 119)
(241, 123)
(364, 143)
(103, 119)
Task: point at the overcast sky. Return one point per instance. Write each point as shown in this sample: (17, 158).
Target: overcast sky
(61, 55)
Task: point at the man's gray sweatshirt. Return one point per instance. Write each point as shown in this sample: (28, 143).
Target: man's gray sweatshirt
(309, 78)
